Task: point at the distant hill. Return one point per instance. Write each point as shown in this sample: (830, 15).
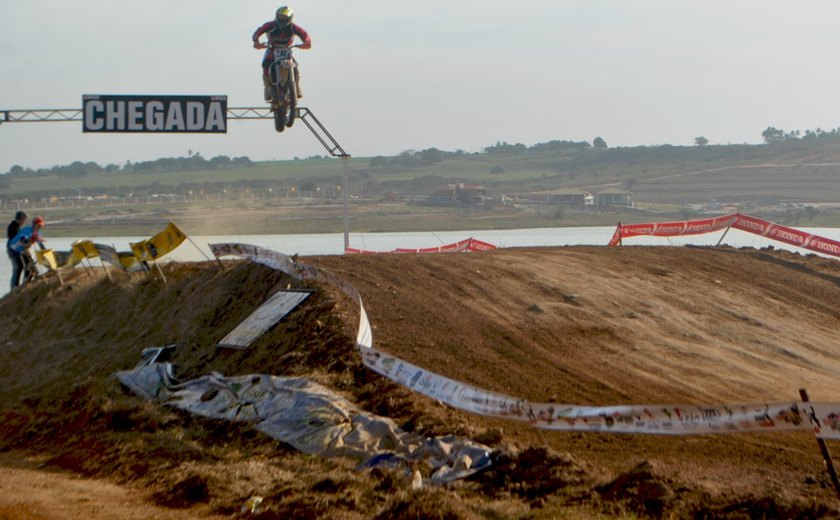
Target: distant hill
(783, 167)
(791, 178)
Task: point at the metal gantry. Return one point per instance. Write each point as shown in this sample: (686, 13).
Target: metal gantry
(44, 115)
(54, 115)
(50, 115)
(41, 115)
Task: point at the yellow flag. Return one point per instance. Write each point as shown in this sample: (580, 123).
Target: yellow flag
(128, 261)
(84, 249)
(159, 245)
(46, 257)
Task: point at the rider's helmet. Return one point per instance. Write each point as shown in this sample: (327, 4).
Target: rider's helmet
(38, 221)
(283, 17)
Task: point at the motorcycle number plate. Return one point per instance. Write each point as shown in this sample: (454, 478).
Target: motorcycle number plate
(282, 53)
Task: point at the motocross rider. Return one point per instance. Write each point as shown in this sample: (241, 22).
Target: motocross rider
(280, 31)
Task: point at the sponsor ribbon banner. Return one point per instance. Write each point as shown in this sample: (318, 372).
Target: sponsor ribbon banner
(787, 235)
(673, 419)
(823, 419)
(255, 254)
(464, 246)
(266, 316)
(740, 221)
(671, 229)
(161, 114)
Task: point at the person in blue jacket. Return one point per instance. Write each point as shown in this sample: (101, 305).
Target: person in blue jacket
(11, 232)
(26, 237)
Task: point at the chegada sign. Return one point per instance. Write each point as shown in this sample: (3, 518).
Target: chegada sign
(166, 114)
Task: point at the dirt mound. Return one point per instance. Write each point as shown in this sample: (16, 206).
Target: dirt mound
(577, 325)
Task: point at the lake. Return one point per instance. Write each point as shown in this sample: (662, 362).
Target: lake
(333, 243)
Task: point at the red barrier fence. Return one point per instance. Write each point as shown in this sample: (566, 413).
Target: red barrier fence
(464, 246)
(740, 221)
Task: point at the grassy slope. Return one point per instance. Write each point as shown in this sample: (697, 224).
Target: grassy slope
(673, 180)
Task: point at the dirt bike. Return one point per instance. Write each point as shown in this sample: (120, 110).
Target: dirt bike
(284, 94)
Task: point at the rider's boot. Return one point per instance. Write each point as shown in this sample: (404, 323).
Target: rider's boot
(297, 84)
(268, 87)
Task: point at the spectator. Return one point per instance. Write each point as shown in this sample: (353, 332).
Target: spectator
(14, 256)
(26, 237)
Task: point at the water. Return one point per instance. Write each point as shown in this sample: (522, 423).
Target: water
(333, 243)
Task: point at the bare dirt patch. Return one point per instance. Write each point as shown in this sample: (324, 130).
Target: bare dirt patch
(578, 325)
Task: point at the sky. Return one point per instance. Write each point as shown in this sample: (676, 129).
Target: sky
(386, 76)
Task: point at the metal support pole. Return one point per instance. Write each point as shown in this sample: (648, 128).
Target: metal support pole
(829, 464)
(345, 189)
(335, 149)
(723, 236)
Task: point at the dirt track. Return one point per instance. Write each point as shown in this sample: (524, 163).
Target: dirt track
(579, 325)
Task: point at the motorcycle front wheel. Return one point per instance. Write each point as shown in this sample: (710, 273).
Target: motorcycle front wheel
(279, 109)
(291, 100)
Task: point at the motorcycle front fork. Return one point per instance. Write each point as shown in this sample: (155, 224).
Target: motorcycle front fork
(283, 74)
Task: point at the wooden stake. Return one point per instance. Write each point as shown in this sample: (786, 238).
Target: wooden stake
(107, 271)
(829, 465)
(202, 252)
(160, 271)
(85, 267)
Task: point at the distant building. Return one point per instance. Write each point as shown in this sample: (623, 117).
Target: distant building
(618, 198)
(565, 197)
(460, 193)
(577, 198)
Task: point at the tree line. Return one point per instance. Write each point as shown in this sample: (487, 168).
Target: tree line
(774, 135)
(409, 158)
(193, 162)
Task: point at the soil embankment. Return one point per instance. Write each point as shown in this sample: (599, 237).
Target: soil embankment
(577, 325)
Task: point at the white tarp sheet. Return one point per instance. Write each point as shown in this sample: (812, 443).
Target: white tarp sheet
(309, 417)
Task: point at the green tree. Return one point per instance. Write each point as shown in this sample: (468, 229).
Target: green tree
(701, 141)
(431, 156)
(599, 144)
(773, 135)
(504, 147)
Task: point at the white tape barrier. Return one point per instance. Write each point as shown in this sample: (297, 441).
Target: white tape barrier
(821, 418)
